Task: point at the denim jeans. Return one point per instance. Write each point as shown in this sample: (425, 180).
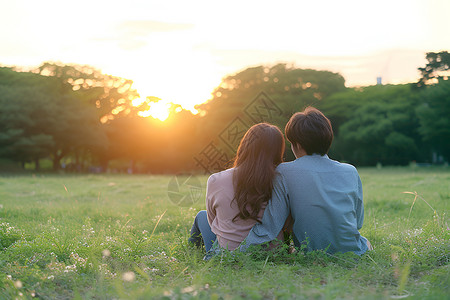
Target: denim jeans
(201, 231)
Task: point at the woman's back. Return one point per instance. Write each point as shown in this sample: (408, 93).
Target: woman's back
(221, 210)
(236, 198)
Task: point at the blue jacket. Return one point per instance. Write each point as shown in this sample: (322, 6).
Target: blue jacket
(325, 200)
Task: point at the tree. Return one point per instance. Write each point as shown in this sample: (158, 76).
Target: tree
(376, 124)
(20, 140)
(76, 129)
(40, 117)
(340, 106)
(111, 96)
(289, 90)
(437, 68)
(24, 115)
(434, 117)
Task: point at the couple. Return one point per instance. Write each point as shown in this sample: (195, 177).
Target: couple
(318, 199)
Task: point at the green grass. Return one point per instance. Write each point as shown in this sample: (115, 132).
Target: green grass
(120, 237)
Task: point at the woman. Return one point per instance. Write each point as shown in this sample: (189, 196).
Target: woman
(236, 197)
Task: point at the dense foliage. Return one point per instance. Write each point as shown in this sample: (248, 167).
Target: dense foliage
(81, 119)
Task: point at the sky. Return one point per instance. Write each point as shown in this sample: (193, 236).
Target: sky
(180, 50)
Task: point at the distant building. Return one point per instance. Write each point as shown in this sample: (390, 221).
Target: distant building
(379, 80)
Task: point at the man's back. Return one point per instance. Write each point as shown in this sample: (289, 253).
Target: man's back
(324, 198)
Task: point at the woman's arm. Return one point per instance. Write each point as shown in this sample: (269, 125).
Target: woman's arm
(210, 205)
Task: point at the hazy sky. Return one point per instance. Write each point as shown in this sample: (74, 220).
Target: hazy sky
(180, 50)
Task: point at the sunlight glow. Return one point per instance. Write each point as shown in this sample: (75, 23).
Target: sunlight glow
(138, 101)
(188, 80)
(184, 58)
(159, 110)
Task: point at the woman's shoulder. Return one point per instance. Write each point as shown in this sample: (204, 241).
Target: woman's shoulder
(221, 182)
(221, 176)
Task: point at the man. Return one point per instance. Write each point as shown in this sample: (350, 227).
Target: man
(323, 196)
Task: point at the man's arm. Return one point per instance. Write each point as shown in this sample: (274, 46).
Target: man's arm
(359, 205)
(275, 215)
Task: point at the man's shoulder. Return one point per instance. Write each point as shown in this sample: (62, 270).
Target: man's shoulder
(286, 166)
(315, 163)
(343, 165)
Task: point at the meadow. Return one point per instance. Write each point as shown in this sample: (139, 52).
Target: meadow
(122, 237)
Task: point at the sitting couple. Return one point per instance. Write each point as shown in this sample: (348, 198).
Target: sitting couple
(319, 199)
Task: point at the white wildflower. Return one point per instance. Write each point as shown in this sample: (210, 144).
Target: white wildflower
(188, 289)
(128, 276)
(148, 269)
(70, 268)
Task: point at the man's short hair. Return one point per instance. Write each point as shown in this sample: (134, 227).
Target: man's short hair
(311, 129)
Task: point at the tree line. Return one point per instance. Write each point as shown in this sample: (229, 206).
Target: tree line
(81, 120)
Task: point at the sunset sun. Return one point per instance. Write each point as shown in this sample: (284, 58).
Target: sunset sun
(186, 94)
(159, 110)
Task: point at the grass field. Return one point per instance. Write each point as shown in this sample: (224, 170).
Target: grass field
(120, 237)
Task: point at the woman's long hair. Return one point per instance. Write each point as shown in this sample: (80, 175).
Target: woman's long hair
(260, 152)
